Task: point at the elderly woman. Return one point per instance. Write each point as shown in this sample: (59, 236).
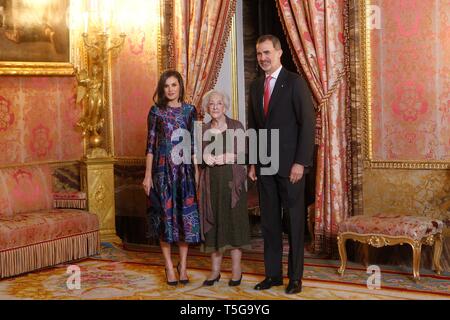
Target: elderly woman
(223, 198)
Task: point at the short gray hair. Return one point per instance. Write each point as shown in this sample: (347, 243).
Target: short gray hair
(268, 37)
(209, 94)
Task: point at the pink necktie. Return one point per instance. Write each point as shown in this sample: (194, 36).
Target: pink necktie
(266, 94)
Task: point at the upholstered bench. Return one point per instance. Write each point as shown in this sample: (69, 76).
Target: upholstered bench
(388, 230)
(35, 232)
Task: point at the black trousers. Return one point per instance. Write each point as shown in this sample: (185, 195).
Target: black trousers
(276, 192)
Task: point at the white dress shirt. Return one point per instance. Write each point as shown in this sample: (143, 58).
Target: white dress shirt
(273, 80)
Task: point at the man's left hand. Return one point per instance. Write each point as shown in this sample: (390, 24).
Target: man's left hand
(296, 173)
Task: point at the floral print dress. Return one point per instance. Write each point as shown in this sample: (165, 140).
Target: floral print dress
(174, 184)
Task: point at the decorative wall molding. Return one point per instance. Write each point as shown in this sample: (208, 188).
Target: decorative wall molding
(364, 74)
(130, 161)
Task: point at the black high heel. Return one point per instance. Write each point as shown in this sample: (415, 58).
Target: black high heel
(184, 281)
(209, 283)
(170, 283)
(234, 283)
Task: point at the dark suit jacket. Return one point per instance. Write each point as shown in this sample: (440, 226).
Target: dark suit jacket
(291, 111)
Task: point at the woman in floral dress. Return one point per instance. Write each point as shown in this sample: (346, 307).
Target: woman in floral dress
(167, 182)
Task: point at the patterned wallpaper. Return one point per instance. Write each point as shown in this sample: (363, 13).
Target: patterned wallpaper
(410, 115)
(417, 192)
(37, 120)
(411, 107)
(135, 75)
(411, 80)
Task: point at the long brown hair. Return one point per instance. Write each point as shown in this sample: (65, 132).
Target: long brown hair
(159, 97)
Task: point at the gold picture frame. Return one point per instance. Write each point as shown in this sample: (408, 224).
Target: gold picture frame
(35, 40)
(36, 68)
(366, 77)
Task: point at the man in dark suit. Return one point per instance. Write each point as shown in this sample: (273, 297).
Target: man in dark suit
(282, 100)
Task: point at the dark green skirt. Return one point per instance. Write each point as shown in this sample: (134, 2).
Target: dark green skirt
(231, 227)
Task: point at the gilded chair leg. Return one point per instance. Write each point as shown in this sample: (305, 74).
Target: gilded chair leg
(437, 251)
(342, 253)
(417, 250)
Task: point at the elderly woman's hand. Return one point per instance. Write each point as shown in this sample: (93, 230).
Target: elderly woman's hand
(227, 158)
(230, 158)
(220, 160)
(209, 160)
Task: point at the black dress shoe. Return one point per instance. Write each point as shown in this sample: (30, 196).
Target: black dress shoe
(268, 283)
(170, 283)
(209, 283)
(234, 283)
(182, 281)
(294, 286)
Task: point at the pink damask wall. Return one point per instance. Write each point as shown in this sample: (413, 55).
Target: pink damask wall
(135, 76)
(38, 114)
(411, 80)
(37, 120)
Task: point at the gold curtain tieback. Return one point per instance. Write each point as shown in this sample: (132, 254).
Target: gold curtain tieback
(326, 97)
